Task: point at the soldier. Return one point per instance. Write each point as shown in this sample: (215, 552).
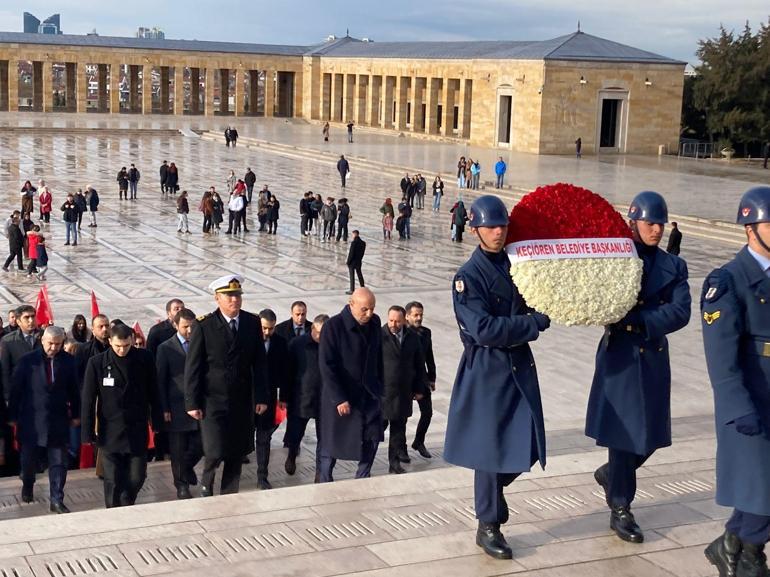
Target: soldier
(225, 383)
(498, 434)
(629, 408)
(736, 334)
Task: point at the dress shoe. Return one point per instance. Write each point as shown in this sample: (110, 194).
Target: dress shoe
(489, 538)
(601, 476)
(207, 492)
(346, 292)
(59, 508)
(27, 494)
(317, 478)
(396, 468)
(291, 463)
(403, 457)
(723, 553)
(183, 492)
(420, 448)
(623, 523)
(753, 562)
(263, 484)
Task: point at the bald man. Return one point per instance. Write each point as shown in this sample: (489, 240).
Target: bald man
(350, 362)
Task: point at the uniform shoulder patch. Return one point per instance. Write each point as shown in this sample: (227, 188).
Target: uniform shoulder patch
(459, 285)
(460, 288)
(716, 285)
(202, 317)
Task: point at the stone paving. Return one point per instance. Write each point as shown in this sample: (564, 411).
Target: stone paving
(389, 525)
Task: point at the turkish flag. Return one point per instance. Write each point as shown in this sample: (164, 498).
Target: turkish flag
(43, 311)
(94, 306)
(87, 456)
(280, 414)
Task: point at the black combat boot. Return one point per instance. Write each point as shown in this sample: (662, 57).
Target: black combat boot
(752, 562)
(623, 523)
(723, 553)
(489, 538)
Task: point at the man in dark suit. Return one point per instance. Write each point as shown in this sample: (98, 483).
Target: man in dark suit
(414, 314)
(674, 240)
(161, 332)
(404, 380)
(297, 325)
(118, 399)
(226, 383)
(15, 245)
(303, 394)
(355, 259)
(350, 361)
(44, 401)
(278, 378)
(183, 431)
(163, 177)
(11, 326)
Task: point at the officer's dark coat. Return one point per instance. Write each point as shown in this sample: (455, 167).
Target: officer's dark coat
(404, 373)
(736, 335)
(119, 414)
(226, 378)
(304, 394)
(629, 407)
(495, 420)
(350, 361)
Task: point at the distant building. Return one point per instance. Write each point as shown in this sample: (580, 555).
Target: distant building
(51, 25)
(153, 33)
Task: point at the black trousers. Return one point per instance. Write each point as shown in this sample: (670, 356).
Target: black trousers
(242, 215)
(272, 226)
(18, 255)
(488, 495)
(364, 470)
(124, 475)
(397, 439)
(186, 450)
(234, 220)
(426, 414)
(621, 477)
(231, 474)
(750, 528)
(303, 224)
(263, 438)
(56, 457)
(329, 229)
(295, 432)
(342, 231)
(355, 269)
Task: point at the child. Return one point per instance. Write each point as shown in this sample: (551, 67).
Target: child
(42, 257)
(33, 238)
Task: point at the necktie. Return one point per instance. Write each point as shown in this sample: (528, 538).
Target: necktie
(49, 370)
(234, 327)
(186, 345)
(298, 331)
(30, 341)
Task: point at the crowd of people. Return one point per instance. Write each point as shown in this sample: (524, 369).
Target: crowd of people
(213, 387)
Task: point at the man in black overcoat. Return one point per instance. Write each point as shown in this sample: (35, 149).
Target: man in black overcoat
(118, 400)
(226, 383)
(162, 331)
(404, 380)
(184, 437)
(44, 401)
(350, 361)
(355, 260)
(414, 316)
(295, 326)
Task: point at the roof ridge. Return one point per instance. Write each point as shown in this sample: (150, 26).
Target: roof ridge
(567, 38)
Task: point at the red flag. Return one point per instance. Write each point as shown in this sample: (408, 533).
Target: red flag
(94, 305)
(139, 334)
(280, 414)
(43, 311)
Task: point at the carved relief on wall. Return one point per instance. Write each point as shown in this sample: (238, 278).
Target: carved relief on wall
(564, 106)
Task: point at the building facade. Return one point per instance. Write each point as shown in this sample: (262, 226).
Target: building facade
(534, 97)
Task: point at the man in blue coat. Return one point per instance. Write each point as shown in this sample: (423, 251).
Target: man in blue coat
(736, 335)
(44, 402)
(350, 363)
(629, 408)
(495, 421)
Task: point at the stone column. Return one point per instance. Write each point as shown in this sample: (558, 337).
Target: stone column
(362, 86)
(402, 97)
(13, 85)
(147, 88)
(82, 87)
(269, 93)
(418, 118)
(336, 98)
(253, 91)
(178, 90)
(114, 88)
(165, 89)
(431, 120)
(102, 98)
(388, 86)
(464, 124)
(209, 89)
(37, 86)
(4, 72)
(349, 98)
(195, 90)
(47, 86)
(134, 104)
(448, 107)
(224, 90)
(70, 90)
(239, 92)
(373, 100)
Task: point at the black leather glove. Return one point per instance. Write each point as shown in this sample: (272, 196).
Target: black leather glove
(543, 322)
(749, 425)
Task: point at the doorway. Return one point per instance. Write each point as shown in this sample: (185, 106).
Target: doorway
(610, 115)
(612, 120)
(504, 120)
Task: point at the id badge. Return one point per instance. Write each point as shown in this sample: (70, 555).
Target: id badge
(108, 382)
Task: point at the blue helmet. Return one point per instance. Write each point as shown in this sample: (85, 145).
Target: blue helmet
(488, 211)
(650, 207)
(754, 206)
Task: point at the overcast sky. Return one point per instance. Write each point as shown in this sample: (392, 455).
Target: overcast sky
(670, 28)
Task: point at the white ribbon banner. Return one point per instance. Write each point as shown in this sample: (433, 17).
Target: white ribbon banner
(567, 248)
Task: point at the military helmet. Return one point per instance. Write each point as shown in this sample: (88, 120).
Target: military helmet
(650, 207)
(488, 211)
(754, 206)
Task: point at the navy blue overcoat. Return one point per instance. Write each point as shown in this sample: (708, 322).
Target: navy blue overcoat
(629, 407)
(735, 307)
(495, 420)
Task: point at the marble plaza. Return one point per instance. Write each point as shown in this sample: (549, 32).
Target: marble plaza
(421, 523)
